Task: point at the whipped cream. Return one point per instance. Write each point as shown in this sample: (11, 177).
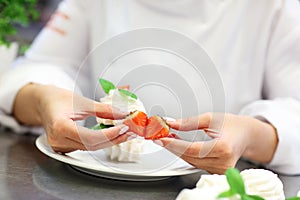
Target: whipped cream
(257, 182)
(195, 194)
(129, 151)
(263, 183)
(208, 188)
(214, 181)
(123, 102)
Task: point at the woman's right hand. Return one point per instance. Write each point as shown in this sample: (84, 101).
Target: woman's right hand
(232, 135)
(58, 110)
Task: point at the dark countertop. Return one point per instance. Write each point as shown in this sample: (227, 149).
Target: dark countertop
(26, 173)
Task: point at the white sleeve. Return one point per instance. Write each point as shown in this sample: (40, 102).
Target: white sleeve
(53, 58)
(282, 89)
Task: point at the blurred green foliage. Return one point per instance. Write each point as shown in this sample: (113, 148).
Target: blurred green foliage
(15, 12)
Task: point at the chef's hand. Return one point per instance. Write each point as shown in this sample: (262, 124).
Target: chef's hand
(238, 136)
(57, 110)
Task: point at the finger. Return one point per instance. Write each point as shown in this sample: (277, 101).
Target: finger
(83, 105)
(124, 87)
(191, 123)
(69, 145)
(173, 135)
(87, 136)
(201, 162)
(96, 137)
(109, 112)
(120, 139)
(66, 145)
(191, 149)
(79, 115)
(216, 165)
(212, 133)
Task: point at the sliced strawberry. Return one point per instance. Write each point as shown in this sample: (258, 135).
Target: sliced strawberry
(156, 128)
(136, 121)
(151, 128)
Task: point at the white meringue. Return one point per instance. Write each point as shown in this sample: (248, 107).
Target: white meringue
(257, 182)
(192, 194)
(129, 151)
(123, 102)
(263, 183)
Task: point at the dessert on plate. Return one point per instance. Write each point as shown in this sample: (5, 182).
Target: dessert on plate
(138, 122)
(260, 182)
(130, 150)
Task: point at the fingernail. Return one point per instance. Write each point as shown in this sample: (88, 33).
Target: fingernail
(215, 135)
(158, 142)
(172, 135)
(131, 137)
(212, 130)
(123, 130)
(118, 121)
(169, 119)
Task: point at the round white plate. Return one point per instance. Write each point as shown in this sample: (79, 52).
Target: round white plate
(156, 163)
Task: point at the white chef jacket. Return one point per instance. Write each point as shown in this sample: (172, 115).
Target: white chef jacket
(254, 44)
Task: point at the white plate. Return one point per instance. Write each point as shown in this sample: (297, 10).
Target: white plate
(156, 163)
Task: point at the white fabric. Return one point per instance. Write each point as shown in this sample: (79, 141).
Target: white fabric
(254, 44)
(7, 56)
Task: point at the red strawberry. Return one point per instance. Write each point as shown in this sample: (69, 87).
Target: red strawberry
(156, 128)
(151, 128)
(136, 121)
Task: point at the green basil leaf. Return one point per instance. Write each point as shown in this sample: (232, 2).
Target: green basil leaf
(127, 93)
(100, 126)
(106, 85)
(228, 193)
(293, 198)
(237, 186)
(235, 181)
(96, 127)
(251, 197)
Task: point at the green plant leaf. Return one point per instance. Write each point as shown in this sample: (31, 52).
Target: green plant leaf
(106, 85)
(293, 198)
(24, 48)
(12, 13)
(100, 126)
(251, 197)
(228, 193)
(235, 181)
(127, 93)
